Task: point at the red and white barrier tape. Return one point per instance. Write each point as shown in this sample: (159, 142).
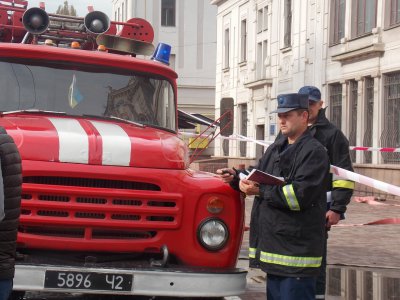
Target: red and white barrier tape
(370, 182)
(377, 184)
(238, 137)
(388, 221)
(361, 148)
(371, 201)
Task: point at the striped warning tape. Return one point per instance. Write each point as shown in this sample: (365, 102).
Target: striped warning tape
(371, 201)
(377, 184)
(370, 182)
(238, 137)
(360, 148)
(388, 221)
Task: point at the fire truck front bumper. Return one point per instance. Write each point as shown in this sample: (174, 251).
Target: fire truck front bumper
(176, 282)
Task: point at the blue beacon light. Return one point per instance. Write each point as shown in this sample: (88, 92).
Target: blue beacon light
(162, 53)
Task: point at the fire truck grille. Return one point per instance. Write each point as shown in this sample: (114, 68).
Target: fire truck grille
(80, 232)
(87, 210)
(91, 182)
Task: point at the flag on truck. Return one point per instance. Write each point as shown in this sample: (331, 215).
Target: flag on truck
(74, 95)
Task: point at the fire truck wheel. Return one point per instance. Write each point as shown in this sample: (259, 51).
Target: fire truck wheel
(17, 295)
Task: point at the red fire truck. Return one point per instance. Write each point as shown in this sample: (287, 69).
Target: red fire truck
(109, 203)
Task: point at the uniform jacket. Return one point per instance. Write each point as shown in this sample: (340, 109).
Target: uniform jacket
(287, 227)
(337, 146)
(12, 182)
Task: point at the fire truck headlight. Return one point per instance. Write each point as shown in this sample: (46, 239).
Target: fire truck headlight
(213, 234)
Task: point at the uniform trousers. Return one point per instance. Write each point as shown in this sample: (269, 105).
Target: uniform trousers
(5, 288)
(290, 288)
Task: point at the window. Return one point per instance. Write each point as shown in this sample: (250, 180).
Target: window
(259, 20)
(112, 92)
(262, 53)
(337, 20)
(262, 19)
(172, 61)
(391, 132)
(243, 128)
(259, 66)
(287, 39)
(265, 18)
(243, 41)
(335, 101)
(353, 117)
(369, 112)
(123, 12)
(365, 20)
(226, 49)
(394, 12)
(168, 8)
(390, 288)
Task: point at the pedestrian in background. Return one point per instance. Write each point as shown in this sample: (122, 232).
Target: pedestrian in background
(10, 203)
(288, 222)
(340, 189)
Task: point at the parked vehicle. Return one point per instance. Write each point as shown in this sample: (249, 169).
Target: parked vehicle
(109, 204)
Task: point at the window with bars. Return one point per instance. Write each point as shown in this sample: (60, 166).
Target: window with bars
(287, 39)
(391, 130)
(168, 9)
(394, 12)
(243, 128)
(335, 104)
(369, 114)
(243, 40)
(338, 10)
(353, 117)
(365, 16)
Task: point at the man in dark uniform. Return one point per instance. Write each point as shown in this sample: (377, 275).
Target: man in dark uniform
(10, 202)
(337, 145)
(288, 222)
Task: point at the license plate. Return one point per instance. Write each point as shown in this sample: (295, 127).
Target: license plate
(88, 281)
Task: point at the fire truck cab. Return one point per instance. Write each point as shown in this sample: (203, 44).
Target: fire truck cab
(109, 203)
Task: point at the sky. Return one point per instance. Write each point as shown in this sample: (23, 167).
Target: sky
(80, 5)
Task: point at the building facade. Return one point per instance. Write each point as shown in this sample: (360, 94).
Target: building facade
(189, 26)
(347, 48)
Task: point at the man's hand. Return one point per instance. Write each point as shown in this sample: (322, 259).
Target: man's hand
(226, 174)
(332, 218)
(249, 187)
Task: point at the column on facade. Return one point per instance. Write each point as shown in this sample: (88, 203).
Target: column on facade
(378, 120)
(361, 108)
(345, 108)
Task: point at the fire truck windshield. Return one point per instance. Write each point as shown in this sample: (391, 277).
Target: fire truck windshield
(87, 90)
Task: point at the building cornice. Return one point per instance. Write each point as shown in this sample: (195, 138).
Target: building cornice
(198, 87)
(258, 83)
(217, 2)
(372, 50)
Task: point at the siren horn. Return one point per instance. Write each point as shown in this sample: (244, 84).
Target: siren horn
(121, 44)
(97, 22)
(35, 20)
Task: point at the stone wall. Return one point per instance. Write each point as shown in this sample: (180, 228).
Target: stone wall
(386, 173)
